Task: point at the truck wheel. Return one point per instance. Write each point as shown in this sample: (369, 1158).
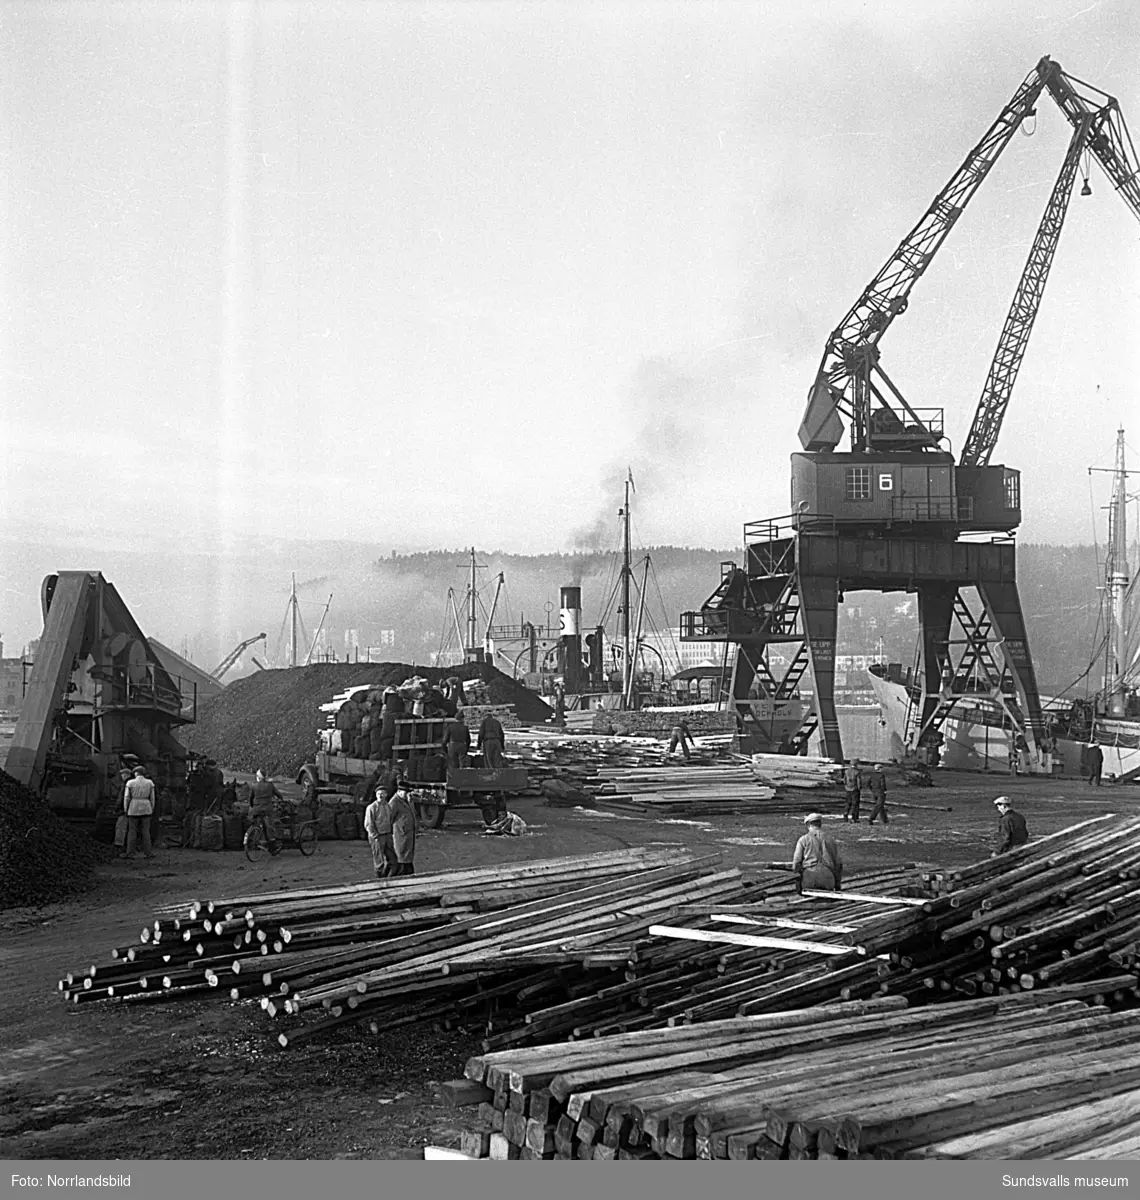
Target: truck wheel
(309, 785)
(431, 815)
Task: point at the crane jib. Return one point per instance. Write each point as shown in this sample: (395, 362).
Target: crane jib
(850, 377)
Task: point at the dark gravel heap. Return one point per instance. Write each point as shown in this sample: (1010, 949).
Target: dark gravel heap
(270, 720)
(42, 858)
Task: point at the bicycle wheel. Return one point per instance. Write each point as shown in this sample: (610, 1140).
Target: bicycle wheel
(306, 838)
(255, 843)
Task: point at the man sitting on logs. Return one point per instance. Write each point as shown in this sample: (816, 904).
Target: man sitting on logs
(817, 861)
(1012, 830)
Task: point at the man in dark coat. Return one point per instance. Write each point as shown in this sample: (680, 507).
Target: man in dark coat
(878, 795)
(491, 740)
(457, 741)
(1094, 763)
(852, 789)
(1012, 830)
(403, 816)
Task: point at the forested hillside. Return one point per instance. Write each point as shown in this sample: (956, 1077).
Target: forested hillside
(408, 597)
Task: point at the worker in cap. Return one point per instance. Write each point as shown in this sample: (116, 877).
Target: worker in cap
(138, 803)
(878, 782)
(403, 814)
(378, 828)
(261, 798)
(817, 861)
(1012, 830)
(1094, 763)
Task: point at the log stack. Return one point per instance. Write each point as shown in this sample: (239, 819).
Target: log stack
(1017, 1077)
(579, 950)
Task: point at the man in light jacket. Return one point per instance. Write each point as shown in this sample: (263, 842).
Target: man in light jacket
(378, 827)
(817, 860)
(138, 803)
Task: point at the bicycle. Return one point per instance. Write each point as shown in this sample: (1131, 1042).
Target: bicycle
(256, 841)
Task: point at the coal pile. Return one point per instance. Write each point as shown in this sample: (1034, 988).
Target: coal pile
(42, 858)
(270, 720)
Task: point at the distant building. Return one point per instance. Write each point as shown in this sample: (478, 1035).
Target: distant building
(11, 683)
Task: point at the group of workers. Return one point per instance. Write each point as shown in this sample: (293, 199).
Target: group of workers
(490, 741)
(390, 824)
(853, 783)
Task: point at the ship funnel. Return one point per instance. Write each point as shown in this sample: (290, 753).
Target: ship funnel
(570, 646)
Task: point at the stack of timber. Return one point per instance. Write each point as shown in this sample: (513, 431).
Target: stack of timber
(682, 790)
(1027, 1076)
(582, 756)
(796, 771)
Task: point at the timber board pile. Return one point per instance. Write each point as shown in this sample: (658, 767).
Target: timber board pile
(1035, 1075)
(686, 789)
(796, 771)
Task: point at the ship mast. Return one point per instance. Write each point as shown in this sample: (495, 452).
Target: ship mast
(293, 622)
(626, 574)
(1116, 581)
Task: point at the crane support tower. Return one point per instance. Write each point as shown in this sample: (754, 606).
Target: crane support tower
(895, 512)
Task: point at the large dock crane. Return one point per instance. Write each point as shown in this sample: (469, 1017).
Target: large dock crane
(894, 512)
(234, 655)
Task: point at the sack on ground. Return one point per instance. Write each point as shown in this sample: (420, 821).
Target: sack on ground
(326, 822)
(346, 827)
(233, 831)
(211, 836)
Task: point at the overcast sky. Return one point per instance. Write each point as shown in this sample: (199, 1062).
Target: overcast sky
(435, 274)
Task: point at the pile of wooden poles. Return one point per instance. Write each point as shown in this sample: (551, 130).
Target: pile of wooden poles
(1014, 1077)
(591, 946)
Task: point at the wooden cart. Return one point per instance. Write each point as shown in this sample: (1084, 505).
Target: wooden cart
(417, 752)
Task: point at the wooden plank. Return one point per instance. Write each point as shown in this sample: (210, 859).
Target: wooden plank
(864, 898)
(475, 1143)
(462, 1092)
(747, 939)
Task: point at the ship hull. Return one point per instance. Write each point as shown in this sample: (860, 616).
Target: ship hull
(976, 741)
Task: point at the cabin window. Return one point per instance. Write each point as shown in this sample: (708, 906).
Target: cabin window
(858, 483)
(1012, 490)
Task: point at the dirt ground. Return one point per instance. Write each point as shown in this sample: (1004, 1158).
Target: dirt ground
(204, 1079)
